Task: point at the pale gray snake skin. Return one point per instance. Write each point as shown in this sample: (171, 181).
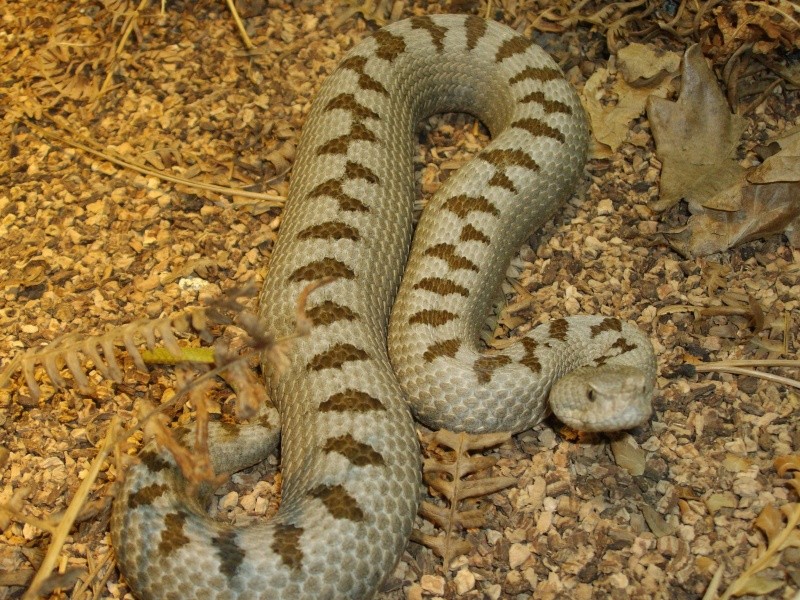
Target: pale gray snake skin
(350, 458)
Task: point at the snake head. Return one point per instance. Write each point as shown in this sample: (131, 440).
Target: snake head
(606, 398)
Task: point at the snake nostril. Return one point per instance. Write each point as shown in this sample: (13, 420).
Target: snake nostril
(590, 395)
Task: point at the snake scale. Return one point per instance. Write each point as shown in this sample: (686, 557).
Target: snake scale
(350, 457)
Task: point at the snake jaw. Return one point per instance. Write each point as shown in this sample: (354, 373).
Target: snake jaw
(607, 398)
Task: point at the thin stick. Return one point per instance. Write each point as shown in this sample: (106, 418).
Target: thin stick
(74, 508)
(757, 363)
(240, 25)
(271, 200)
(751, 372)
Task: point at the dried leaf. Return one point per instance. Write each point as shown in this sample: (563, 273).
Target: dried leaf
(762, 27)
(756, 203)
(770, 521)
(762, 210)
(757, 586)
(784, 165)
(642, 66)
(628, 454)
(696, 137)
(720, 500)
(641, 75)
(75, 350)
(250, 391)
(656, 522)
(784, 464)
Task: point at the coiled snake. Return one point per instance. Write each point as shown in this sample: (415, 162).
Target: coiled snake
(350, 459)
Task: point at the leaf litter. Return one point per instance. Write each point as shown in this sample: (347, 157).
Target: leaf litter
(697, 138)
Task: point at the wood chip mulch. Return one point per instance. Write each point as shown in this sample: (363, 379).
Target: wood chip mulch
(87, 245)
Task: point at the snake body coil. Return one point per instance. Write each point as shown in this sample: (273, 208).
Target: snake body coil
(350, 458)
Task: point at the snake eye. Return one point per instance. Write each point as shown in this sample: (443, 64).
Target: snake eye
(590, 395)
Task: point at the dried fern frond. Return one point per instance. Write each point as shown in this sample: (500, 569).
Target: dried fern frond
(75, 350)
(69, 71)
(263, 200)
(158, 336)
(454, 475)
(70, 63)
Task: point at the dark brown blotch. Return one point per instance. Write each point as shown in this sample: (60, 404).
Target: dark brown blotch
(503, 158)
(472, 234)
(358, 453)
(432, 317)
(326, 267)
(536, 73)
(362, 133)
(607, 324)
(354, 170)
(389, 46)
(462, 205)
(441, 286)
(172, 536)
(485, 366)
(509, 48)
(339, 503)
(351, 400)
(447, 252)
(333, 189)
(330, 230)
(286, 544)
(153, 461)
(231, 430)
(447, 348)
(436, 31)
(539, 128)
(349, 103)
(146, 495)
(337, 146)
(500, 179)
(330, 312)
(335, 356)
(529, 359)
(365, 82)
(623, 345)
(229, 553)
(354, 63)
(350, 204)
(559, 329)
(476, 28)
(340, 145)
(549, 106)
